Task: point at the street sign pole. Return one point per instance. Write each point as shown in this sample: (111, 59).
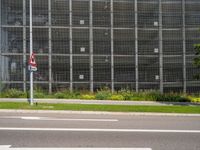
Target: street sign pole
(31, 51)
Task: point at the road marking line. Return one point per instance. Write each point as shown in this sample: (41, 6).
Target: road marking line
(59, 119)
(99, 130)
(8, 147)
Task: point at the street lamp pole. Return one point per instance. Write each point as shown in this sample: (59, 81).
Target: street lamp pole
(31, 51)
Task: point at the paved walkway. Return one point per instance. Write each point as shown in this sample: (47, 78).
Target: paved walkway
(99, 102)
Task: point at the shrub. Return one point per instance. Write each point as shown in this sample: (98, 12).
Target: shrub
(103, 94)
(117, 97)
(14, 93)
(59, 95)
(88, 96)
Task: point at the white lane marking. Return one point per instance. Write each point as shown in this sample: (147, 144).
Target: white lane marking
(59, 119)
(8, 147)
(99, 130)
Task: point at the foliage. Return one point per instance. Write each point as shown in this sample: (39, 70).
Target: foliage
(88, 96)
(13, 93)
(103, 94)
(196, 61)
(117, 97)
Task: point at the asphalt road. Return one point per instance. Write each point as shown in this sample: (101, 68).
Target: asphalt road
(22, 130)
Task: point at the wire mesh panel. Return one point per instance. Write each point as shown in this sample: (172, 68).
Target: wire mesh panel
(148, 13)
(12, 11)
(60, 69)
(101, 13)
(192, 38)
(172, 13)
(172, 42)
(12, 41)
(56, 87)
(60, 12)
(173, 69)
(149, 69)
(81, 70)
(148, 42)
(192, 71)
(192, 13)
(15, 66)
(102, 69)
(60, 41)
(124, 15)
(80, 41)
(124, 42)
(124, 69)
(102, 41)
(80, 13)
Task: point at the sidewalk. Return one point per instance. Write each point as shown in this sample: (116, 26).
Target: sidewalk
(99, 102)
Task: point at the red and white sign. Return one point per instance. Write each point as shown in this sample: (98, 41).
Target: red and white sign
(32, 63)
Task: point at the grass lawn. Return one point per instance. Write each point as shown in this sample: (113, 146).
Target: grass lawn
(109, 108)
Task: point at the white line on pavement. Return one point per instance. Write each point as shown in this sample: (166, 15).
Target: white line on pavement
(58, 119)
(8, 147)
(99, 130)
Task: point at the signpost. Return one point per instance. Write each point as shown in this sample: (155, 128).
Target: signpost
(31, 63)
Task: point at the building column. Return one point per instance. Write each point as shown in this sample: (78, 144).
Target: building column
(50, 46)
(136, 48)
(184, 49)
(1, 69)
(71, 52)
(24, 46)
(112, 47)
(91, 49)
(160, 46)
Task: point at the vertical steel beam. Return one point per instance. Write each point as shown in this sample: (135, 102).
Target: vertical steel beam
(184, 49)
(136, 48)
(91, 49)
(24, 45)
(1, 68)
(50, 46)
(71, 52)
(112, 47)
(160, 46)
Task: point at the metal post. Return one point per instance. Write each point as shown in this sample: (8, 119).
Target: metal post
(91, 49)
(112, 48)
(160, 46)
(31, 51)
(136, 48)
(184, 50)
(1, 68)
(50, 46)
(24, 45)
(71, 52)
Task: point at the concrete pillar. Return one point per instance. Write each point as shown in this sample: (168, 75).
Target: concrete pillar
(71, 52)
(184, 49)
(160, 46)
(136, 48)
(50, 46)
(112, 47)
(24, 46)
(91, 49)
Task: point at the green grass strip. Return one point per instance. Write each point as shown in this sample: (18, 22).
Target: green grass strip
(109, 108)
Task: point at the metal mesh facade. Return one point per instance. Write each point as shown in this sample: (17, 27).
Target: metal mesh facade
(89, 44)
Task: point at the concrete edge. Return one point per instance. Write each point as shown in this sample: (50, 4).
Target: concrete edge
(106, 102)
(97, 113)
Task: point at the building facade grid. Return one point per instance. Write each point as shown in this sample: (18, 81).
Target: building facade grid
(90, 44)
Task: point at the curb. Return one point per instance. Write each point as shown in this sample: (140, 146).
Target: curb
(100, 102)
(97, 113)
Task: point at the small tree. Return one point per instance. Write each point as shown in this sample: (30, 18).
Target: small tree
(196, 61)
